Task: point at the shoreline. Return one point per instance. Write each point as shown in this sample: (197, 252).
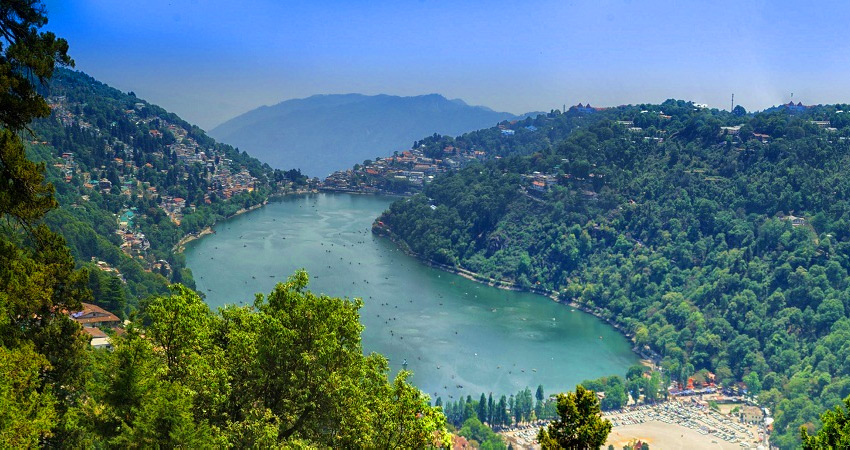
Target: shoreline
(180, 246)
(332, 190)
(384, 231)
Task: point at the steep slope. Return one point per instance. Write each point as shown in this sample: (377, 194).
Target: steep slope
(323, 133)
(718, 241)
(132, 179)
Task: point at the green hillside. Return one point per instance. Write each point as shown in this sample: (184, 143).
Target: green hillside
(718, 240)
(132, 179)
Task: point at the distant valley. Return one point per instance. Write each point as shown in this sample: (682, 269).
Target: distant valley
(324, 133)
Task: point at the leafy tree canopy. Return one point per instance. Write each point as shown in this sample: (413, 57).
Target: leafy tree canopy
(579, 425)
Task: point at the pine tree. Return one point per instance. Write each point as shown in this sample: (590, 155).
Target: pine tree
(538, 408)
(490, 409)
(483, 411)
(503, 411)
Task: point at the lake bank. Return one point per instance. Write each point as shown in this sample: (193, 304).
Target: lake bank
(180, 246)
(456, 335)
(384, 231)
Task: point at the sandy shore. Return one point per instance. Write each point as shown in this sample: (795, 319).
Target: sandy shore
(665, 436)
(181, 244)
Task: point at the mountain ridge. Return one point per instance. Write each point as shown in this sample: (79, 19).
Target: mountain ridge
(327, 132)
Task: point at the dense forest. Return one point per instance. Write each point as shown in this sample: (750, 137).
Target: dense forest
(718, 240)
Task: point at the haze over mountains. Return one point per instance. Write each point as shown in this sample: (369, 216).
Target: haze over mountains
(324, 133)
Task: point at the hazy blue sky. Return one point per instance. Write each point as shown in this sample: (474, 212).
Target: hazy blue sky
(211, 60)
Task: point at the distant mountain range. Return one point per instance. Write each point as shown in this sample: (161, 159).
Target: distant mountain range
(324, 133)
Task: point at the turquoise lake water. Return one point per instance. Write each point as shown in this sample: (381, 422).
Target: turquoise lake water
(457, 336)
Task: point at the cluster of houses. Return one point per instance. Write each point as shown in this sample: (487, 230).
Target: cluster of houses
(173, 207)
(187, 149)
(66, 117)
(105, 267)
(586, 109)
(227, 183)
(411, 168)
(224, 177)
(133, 241)
(66, 165)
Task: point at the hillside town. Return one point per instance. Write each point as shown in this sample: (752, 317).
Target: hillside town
(406, 172)
(124, 169)
(403, 173)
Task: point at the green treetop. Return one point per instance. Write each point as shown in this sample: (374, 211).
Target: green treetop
(835, 432)
(579, 425)
(38, 283)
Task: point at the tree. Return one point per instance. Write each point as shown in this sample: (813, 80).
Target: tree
(835, 432)
(615, 396)
(193, 378)
(579, 424)
(753, 383)
(38, 280)
(180, 324)
(299, 355)
(482, 408)
(538, 407)
(165, 419)
(502, 411)
(26, 415)
(28, 55)
(739, 111)
(473, 429)
(641, 336)
(404, 417)
(652, 387)
(491, 410)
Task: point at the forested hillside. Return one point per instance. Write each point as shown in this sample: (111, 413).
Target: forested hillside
(132, 179)
(718, 240)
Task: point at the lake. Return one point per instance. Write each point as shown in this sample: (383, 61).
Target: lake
(458, 337)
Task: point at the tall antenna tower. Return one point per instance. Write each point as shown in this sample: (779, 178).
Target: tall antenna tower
(733, 102)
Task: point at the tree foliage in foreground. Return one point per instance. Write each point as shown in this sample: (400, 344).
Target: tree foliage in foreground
(288, 370)
(42, 356)
(835, 432)
(580, 424)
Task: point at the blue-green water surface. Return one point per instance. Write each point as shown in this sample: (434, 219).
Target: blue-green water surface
(457, 336)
